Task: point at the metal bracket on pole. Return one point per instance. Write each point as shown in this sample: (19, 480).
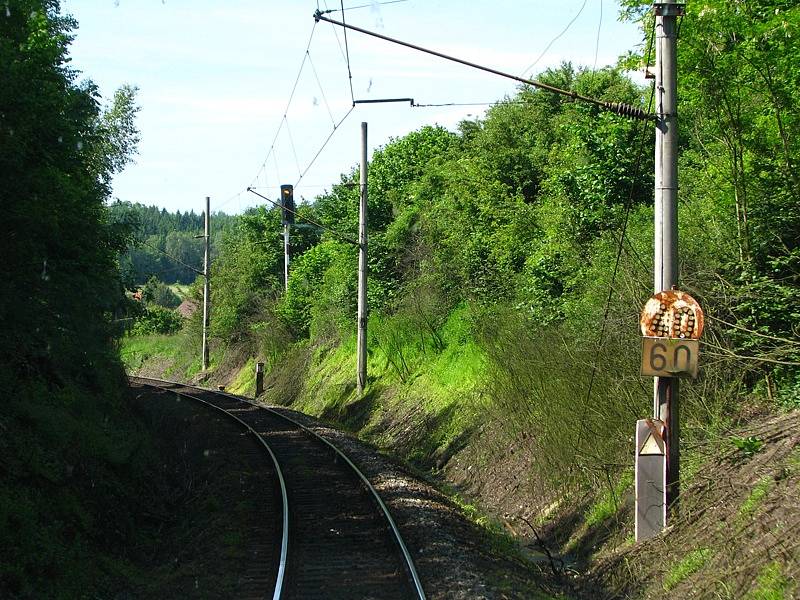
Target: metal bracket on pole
(382, 100)
(669, 9)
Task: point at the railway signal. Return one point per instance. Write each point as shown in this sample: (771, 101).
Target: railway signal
(287, 204)
(287, 218)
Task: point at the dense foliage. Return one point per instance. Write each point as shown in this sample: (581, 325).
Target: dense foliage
(67, 444)
(166, 245)
(508, 230)
(58, 279)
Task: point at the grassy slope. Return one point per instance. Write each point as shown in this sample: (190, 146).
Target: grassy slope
(430, 406)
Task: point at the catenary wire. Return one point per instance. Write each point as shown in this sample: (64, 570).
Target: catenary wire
(229, 200)
(495, 103)
(322, 91)
(177, 260)
(597, 40)
(347, 53)
(361, 5)
(622, 109)
(288, 105)
(333, 232)
(275, 163)
(335, 34)
(325, 143)
(291, 142)
(555, 39)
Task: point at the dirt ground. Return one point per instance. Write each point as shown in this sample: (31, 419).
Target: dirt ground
(209, 506)
(734, 535)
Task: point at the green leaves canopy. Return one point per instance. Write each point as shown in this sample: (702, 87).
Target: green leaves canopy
(59, 282)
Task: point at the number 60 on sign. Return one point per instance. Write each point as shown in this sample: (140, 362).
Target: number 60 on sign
(669, 357)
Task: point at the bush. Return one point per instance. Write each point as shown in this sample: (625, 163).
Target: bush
(157, 319)
(158, 293)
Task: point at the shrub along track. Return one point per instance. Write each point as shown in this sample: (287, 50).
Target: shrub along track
(342, 540)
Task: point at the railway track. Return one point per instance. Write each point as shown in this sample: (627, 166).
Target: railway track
(338, 539)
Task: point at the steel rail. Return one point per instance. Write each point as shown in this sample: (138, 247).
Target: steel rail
(284, 496)
(384, 509)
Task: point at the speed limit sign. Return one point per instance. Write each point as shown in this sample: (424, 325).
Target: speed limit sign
(667, 357)
(671, 323)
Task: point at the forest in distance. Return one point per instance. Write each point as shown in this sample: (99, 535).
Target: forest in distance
(165, 245)
(508, 261)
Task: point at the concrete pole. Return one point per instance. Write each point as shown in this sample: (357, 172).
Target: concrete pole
(362, 267)
(206, 273)
(286, 256)
(665, 397)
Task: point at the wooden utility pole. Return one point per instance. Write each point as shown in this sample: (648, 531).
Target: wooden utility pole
(362, 267)
(665, 396)
(206, 273)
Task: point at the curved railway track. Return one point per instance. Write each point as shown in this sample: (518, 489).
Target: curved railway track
(338, 538)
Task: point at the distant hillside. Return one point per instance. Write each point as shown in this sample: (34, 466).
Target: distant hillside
(161, 237)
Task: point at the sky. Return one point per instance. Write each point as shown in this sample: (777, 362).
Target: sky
(215, 80)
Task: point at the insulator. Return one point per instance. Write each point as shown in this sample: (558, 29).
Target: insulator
(626, 110)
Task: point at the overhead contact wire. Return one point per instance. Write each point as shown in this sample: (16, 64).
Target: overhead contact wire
(177, 260)
(333, 27)
(555, 39)
(347, 52)
(291, 142)
(288, 104)
(625, 110)
(325, 143)
(597, 41)
(362, 5)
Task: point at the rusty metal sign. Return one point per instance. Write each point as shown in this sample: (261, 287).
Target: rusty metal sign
(669, 357)
(672, 314)
(654, 443)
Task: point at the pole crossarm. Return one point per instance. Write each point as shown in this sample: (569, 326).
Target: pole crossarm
(625, 110)
(382, 100)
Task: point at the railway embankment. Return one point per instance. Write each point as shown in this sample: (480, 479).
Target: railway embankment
(731, 537)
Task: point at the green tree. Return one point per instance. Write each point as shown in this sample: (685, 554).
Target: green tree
(247, 275)
(157, 292)
(58, 149)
